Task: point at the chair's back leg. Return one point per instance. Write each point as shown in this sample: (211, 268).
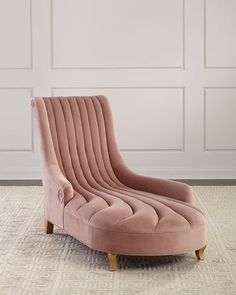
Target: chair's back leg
(48, 227)
(200, 253)
(112, 261)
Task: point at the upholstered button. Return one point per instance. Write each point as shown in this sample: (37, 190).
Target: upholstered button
(60, 195)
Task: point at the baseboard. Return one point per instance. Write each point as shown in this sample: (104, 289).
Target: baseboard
(208, 182)
(33, 174)
(192, 182)
(190, 173)
(20, 182)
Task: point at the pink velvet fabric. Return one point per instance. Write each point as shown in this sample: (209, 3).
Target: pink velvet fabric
(92, 194)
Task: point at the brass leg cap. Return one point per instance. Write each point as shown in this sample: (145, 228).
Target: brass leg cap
(112, 261)
(200, 253)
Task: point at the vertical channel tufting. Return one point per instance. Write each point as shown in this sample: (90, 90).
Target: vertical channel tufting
(84, 143)
(54, 132)
(63, 140)
(103, 140)
(97, 183)
(95, 158)
(100, 149)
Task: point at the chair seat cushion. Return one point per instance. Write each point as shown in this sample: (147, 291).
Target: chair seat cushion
(132, 222)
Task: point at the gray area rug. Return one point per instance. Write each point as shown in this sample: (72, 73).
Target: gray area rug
(34, 263)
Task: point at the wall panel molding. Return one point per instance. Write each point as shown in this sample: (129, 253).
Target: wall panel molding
(205, 34)
(55, 67)
(30, 67)
(31, 149)
(205, 119)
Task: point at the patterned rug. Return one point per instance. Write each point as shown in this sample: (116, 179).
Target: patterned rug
(34, 263)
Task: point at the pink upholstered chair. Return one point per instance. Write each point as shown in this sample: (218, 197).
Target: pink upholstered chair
(91, 194)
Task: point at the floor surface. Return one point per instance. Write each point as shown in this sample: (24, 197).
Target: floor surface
(34, 263)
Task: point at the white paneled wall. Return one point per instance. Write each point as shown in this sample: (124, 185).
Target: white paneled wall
(117, 34)
(168, 68)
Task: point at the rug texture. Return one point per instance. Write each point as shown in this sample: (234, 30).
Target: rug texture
(32, 262)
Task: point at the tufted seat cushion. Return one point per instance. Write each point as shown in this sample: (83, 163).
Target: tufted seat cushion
(125, 221)
(92, 194)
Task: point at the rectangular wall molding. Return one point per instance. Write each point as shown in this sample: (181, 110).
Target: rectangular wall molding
(14, 116)
(224, 117)
(10, 47)
(219, 19)
(154, 6)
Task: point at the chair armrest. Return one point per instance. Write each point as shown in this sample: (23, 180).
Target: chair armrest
(62, 185)
(164, 187)
(58, 191)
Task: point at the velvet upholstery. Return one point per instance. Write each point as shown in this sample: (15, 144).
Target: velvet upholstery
(91, 193)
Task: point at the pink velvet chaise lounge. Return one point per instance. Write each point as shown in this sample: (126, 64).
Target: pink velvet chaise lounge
(91, 194)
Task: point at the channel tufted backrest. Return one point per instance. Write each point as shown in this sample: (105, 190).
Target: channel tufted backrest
(83, 139)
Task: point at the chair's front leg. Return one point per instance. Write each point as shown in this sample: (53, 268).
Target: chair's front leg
(200, 253)
(48, 227)
(112, 261)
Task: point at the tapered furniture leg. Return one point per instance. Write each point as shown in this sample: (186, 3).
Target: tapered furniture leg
(48, 227)
(200, 253)
(112, 261)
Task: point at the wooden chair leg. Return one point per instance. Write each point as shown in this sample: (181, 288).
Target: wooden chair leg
(112, 261)
(200, 253)
(48, 227)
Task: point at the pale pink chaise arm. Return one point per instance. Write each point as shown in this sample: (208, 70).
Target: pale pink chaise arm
(163, 187)
(58, 180)
(58, 190)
